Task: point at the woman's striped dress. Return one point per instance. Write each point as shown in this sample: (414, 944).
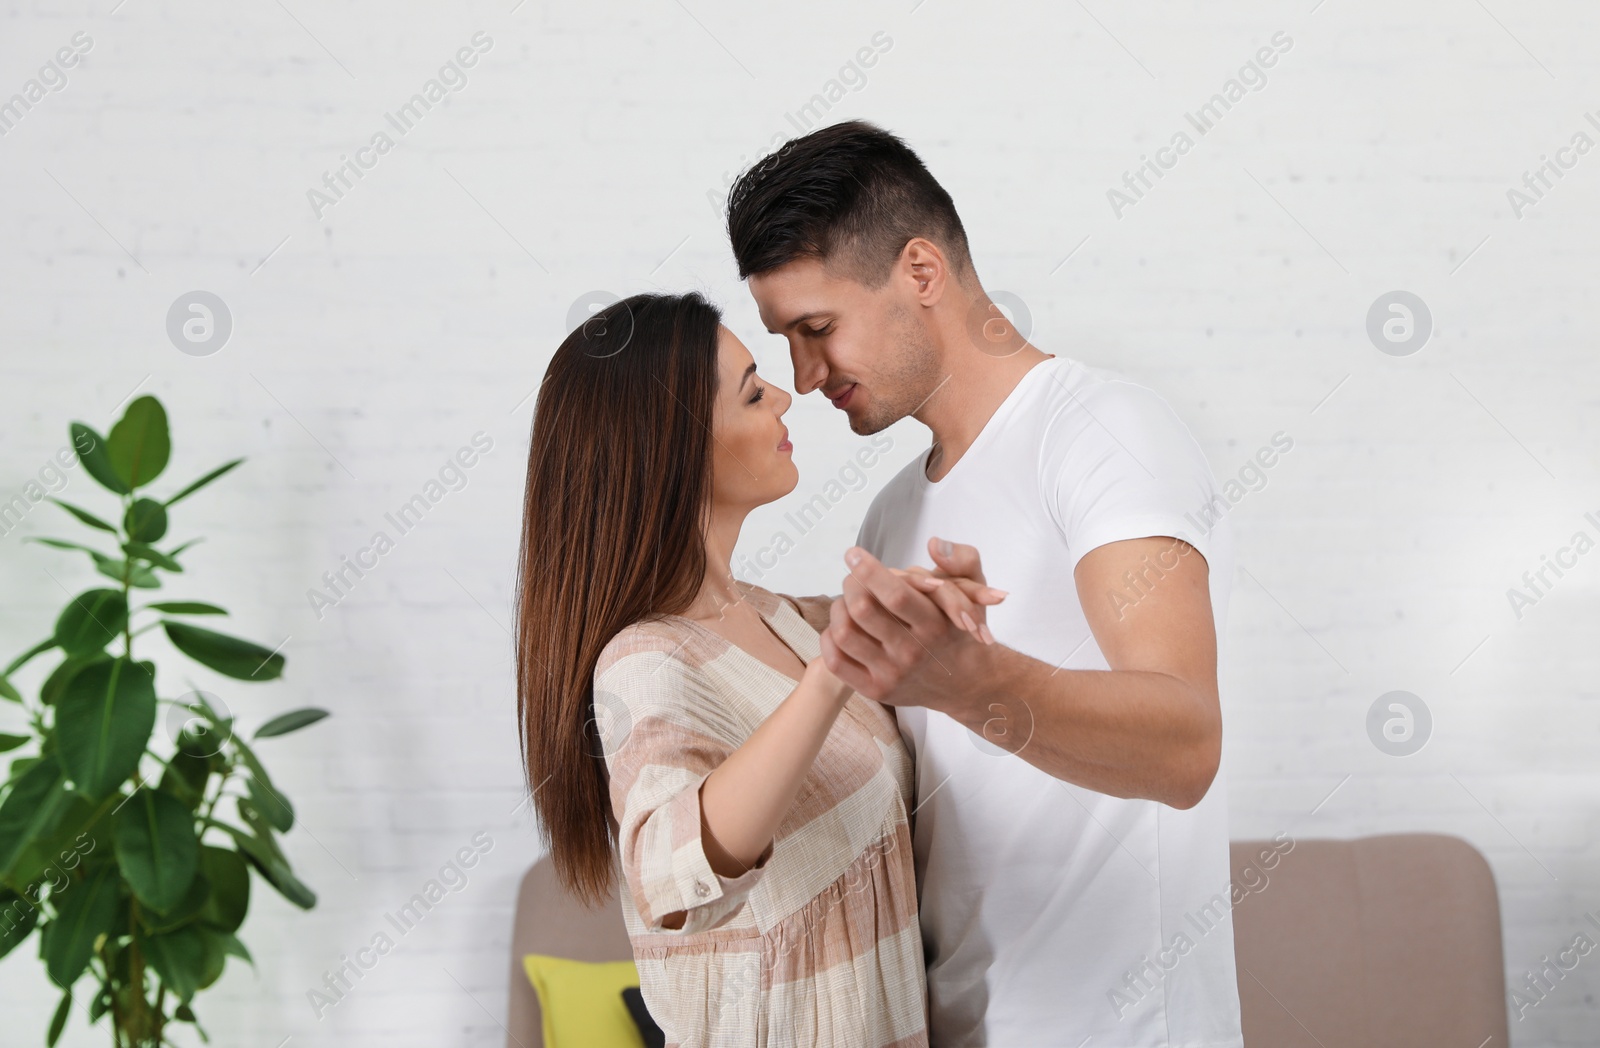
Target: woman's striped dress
(818, 944)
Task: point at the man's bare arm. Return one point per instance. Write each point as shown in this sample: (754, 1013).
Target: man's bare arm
(1149, 727)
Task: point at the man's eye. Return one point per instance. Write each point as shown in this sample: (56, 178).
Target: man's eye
(814, 332)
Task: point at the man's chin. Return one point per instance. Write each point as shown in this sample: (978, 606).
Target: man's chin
(866, 425)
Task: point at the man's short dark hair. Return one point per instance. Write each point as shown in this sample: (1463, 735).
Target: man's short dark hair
(849, 195)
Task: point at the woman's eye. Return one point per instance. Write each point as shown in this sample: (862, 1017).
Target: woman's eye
(761, 391)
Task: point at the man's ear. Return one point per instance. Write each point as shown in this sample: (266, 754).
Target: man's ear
(927, 268)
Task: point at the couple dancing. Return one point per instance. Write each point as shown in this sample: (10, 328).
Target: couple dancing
(918, 810)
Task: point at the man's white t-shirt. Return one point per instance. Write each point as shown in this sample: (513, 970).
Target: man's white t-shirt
(1053, 914)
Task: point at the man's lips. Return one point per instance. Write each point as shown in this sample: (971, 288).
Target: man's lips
(841, 399)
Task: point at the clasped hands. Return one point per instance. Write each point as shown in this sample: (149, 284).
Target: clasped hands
(903, 637)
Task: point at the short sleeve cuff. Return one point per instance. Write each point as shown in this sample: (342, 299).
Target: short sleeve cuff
(1141, 527)
(696, 886)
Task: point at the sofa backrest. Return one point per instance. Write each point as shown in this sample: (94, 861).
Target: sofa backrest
(550, 921)
(1390, 941)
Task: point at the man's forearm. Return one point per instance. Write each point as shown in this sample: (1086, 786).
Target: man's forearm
(1126, 733)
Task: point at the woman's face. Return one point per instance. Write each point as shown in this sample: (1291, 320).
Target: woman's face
(751, 458)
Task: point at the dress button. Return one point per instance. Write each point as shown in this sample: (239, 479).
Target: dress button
(702, 889)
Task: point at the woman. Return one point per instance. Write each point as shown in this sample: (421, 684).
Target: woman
(683, 722)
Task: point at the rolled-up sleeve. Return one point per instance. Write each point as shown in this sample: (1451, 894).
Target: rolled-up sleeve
(664, 731)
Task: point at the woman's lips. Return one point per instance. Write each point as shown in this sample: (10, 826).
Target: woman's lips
(784, 445)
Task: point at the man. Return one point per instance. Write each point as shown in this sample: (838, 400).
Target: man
(1070, 830)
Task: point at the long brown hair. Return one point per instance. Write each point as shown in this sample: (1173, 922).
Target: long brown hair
(613, 532)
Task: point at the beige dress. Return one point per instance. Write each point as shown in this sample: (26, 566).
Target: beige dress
(818, 944)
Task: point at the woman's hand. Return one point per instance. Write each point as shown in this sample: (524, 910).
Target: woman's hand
(962, 599)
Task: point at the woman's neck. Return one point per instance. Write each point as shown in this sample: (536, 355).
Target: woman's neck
(719, 588)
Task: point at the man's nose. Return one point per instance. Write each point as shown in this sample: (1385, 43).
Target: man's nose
(809, 371)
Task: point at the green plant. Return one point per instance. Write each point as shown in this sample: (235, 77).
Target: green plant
(143, 886)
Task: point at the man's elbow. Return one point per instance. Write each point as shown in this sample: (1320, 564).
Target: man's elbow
(1199, 770)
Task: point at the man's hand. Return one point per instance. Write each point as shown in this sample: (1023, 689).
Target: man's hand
(893, 643)
(1150, 726)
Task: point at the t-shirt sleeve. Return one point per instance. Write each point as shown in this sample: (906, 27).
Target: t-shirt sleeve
(664, 729)
(1120, 464)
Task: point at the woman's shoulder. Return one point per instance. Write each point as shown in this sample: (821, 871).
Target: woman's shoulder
(660, 639)
(661, 668)
(814, 609)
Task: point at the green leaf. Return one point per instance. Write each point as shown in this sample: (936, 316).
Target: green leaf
(62, 675)
(274, 806)
(150, 553)
(284, 881)
(229, 875)
(266, 803)
(88, 910)
(103, 722)
(269, 863)
(179, 957)
(146, 520)
(206, 734)
(91, 449)
(229, 656)
(52, 856)
(81, 838)
(11, 742)
(20, 765)
(216, 955)
(10, 693)
(32, 810)
(235, 948)
(101, 1004)
(189, 908)
(157, 848)
(261, 828)
(203, 481)
(111, 567)
(38, 649)
(140, 444)
(18, 918)
(84, 515)
(60, 543)
(59, 1021)
(91, 620)
(186, 776)
(294, 720)
(65, 544)
(186, 607)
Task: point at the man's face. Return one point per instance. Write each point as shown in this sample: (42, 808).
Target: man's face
(867, 350)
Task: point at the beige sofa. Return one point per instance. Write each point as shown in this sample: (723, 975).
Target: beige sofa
(1390, 941)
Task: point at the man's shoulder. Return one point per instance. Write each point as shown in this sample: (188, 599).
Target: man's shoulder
(1092, 411)
(1088, 393)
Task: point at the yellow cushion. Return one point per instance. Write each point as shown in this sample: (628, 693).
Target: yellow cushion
(582, 1002)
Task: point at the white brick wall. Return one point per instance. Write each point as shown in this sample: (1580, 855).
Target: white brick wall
(420, 309)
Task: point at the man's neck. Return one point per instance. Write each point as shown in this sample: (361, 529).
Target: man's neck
(968, 396)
